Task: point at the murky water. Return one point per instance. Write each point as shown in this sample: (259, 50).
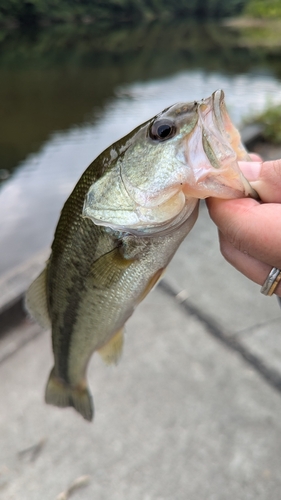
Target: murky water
(58, 119)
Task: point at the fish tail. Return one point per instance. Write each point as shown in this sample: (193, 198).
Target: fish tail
(58, 393)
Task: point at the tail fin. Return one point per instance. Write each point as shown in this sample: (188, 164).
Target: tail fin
(58, 393)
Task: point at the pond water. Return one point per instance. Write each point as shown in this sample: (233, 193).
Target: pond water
(58, 118)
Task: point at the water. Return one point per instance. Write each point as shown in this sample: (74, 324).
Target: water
(45, 170)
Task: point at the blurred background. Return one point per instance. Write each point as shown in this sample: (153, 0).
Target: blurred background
(193, 410)
(75, 76)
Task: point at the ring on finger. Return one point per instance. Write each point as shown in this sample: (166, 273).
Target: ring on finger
(271, 282)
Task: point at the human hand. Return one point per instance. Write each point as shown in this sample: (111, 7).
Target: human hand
(250, 231)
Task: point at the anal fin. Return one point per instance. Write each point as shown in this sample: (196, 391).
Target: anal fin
(111, 352)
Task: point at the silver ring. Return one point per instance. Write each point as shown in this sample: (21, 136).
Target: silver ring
(271, 281)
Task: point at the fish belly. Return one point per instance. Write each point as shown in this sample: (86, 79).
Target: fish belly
(114, 289)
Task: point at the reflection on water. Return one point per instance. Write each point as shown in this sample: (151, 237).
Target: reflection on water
(63, 76)
(57, 116)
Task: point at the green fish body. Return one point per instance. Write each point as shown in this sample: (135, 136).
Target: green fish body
(119, 229)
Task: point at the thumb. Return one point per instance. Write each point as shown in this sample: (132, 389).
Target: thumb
(265, 178)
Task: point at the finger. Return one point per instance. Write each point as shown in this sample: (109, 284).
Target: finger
(251, 227)
(249, 266)
(250, 169)
(255, 157)
(265, 178)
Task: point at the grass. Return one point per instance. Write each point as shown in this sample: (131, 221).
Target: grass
(270, 119)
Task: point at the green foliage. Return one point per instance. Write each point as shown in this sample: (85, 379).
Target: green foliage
(194, 43)
(270, 119)
(263, 9)
(111, 12)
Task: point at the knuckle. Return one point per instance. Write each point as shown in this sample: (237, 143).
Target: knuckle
(235, 238)
(276, 168)
(271, 172)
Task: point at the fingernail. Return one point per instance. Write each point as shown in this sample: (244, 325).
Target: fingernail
(251, 169)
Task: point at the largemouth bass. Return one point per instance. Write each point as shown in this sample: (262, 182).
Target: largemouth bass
(119, 229)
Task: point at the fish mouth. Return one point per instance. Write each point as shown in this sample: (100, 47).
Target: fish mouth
(213, 152)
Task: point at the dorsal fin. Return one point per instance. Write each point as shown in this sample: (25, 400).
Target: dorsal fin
(36, 300)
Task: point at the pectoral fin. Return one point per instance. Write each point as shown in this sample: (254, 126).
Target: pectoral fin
(112, 351)
(108, 269)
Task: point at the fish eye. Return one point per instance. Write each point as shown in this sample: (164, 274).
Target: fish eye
(162, 130)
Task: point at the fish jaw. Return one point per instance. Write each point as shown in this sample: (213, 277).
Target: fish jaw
(212, 152)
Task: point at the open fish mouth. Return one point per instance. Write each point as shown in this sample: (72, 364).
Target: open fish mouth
(213, 152)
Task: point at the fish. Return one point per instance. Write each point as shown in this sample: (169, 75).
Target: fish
(120, 228)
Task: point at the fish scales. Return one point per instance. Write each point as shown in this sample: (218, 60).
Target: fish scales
(119, 229)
